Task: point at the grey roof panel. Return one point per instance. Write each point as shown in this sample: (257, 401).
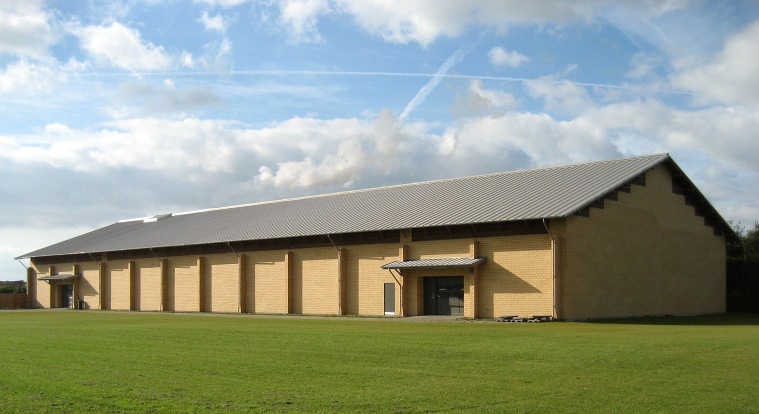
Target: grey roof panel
(518, 195)
(451, 262)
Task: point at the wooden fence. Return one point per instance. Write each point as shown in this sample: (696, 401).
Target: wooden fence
(12, 300)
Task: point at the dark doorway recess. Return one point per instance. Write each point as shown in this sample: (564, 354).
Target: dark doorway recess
(67, 296)
(444, 295)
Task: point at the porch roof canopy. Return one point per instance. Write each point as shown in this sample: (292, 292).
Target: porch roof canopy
(447, 263)
(59, 277)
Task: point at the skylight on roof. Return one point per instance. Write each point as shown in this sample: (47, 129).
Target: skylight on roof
(155, 218)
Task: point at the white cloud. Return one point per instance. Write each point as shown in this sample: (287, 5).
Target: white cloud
(367, 147)
(301, 17)
(25, 77)
(478, 100)
(560, 95)
(297, 153)
(332, 169)
(404, 21)
(215, 56)
(337, 152)
(121, 47)
(223, 3)
(306, 155)
(731, 76)
(423, 21)
(644, 66)
(25, 28)
(501, 57)
(194, 146)
(187, 60)
(217, 23)
(140, 98)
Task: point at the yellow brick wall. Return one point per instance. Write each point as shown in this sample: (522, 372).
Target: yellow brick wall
(517, 277)
(645, 254)
(117, 273)
(183, 284)
(89, 284)
(266, 282)
(42, 299)
(439, 249)
(365, 279)
(221, 283)
(315, 288)
(413, 295)
(315, 279)
(147, 285)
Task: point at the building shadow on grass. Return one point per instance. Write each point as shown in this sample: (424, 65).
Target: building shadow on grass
(726, 319)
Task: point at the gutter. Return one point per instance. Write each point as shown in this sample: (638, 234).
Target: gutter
(553, 268)
(18, 259)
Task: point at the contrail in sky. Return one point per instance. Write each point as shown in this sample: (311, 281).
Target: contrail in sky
(286, 72)
(432, 83)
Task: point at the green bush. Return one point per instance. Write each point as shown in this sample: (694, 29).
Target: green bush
(12, 289)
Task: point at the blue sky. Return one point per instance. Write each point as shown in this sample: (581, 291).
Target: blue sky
(120, 109)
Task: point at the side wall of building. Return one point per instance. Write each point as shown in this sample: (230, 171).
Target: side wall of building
(221, 286)
(267, 282)
(646, 253)
(364, 279)
(315, 287)
(119, 283)
(89, 284)
(148, 285)
(515, 279)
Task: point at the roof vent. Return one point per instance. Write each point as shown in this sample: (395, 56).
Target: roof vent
(155, 218)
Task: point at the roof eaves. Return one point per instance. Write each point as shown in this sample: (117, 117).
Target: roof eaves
(600, 195)
(730, 233)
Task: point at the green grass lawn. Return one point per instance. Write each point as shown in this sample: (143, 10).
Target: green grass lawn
(74, 361)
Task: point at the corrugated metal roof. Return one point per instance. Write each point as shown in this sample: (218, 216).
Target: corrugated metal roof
(59, 277)
(518, 195)
(450, 262)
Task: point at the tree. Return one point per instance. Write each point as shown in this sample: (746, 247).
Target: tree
(743, 270)
(751, 243)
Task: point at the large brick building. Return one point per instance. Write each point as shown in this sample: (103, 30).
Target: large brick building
(606, 239)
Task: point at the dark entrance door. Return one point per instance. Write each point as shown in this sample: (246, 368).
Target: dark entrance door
(444, 295)
(67, 295)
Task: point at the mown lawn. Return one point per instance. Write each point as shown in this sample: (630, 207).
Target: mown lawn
(80, 361)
